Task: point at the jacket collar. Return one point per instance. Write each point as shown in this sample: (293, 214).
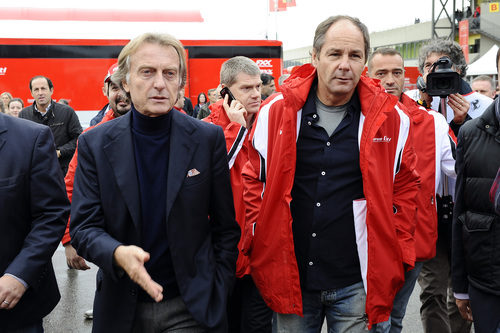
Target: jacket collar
(296, 90)
(120, 153)
(489, 122)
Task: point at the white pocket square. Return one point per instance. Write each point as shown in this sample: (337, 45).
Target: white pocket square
(192, 173)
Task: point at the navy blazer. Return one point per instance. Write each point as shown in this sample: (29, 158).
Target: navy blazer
(34, 210)
(200, 225)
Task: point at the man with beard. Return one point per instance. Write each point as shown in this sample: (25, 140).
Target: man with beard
(119, 104)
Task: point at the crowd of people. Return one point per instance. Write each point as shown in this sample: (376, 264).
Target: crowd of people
(327, 200)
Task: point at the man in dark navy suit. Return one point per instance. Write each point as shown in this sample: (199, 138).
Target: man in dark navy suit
(33, 211)
(152, 204)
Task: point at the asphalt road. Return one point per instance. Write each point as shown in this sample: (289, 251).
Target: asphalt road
(77, 295)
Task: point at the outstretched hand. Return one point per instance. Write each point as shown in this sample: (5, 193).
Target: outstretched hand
(131, 259)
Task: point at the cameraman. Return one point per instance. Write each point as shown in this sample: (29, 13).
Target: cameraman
(464, 105)
(438, 311)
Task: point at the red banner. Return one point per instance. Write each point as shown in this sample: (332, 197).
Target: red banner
(291, 3)
(282, 4)
(463, 37)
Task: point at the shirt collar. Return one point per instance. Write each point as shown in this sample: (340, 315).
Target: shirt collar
(40, 112)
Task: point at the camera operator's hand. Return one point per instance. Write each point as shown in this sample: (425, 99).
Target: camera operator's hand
(235, 112)
(460, 107)
(424, 97)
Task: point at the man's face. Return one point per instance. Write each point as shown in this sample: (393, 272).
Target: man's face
(389, 70)
(212, 97)
(340, 63)
(483, 87)
(154, 79)
(246, 90)
(118, 100)
(432, 58)
(41, 92)
(269, 88)
(498, 77)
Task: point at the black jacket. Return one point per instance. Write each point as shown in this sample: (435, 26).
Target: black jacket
(65, 127)
(476, 227)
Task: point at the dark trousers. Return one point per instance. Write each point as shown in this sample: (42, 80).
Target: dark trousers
(438, 311)
(167, 316)
(485, 310)
(247, 312)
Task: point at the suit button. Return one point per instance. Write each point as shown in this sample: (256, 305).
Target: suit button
(133, 292)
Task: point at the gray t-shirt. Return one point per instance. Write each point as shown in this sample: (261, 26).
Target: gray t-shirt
(329, 116)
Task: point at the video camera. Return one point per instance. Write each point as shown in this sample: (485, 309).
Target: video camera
(441, 80)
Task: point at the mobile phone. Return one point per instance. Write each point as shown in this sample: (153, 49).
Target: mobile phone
(225, 91)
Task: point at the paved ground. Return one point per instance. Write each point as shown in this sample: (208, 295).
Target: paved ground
(77, 294)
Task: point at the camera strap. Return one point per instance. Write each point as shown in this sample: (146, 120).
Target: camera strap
(444, 179)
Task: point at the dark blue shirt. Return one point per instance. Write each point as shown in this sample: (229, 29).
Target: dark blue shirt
(327, 180)
(151, 138)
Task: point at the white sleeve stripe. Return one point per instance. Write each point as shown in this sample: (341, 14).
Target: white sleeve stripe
(237, 144)
(261, 134)
(404, 130)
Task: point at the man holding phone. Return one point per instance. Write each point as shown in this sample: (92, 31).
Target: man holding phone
(235, 113)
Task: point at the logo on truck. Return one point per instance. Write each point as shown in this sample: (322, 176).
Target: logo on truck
(264, 63)
(3, 70)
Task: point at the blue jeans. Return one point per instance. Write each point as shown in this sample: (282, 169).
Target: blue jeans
(395, 322)
(344, 309)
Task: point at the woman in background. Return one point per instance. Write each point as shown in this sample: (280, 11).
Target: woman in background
(202, 100)
(15, 106)
(6, 97)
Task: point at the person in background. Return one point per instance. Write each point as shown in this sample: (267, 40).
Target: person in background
(202, 100)
(180, 102)
(105, 89)
(5, 99)
(33, 212)
(15, 106)
(268, 85)
(61, 119)
(64, 101)
(213, 97)
(484, 85)
(118, 105)
(330, 191)
(247, 311)
(438, 310)
(187, 105)
(434, 145)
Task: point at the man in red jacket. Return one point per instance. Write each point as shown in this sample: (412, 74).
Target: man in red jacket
(119, 104)
(434, 145)
(330, 191)
(247, 311)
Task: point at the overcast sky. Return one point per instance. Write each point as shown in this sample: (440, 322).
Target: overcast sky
(223, 19)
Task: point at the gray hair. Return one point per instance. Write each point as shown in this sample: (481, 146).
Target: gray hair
(446, 47)
(487, 79)
(383, 51)
(232, 67)
(319, 36)
(123, 72)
